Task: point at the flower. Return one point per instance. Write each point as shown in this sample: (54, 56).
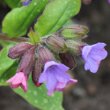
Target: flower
(93, 55)
(19, 79)
(24, 69)
(18, 50)
(55, 76)
(26, 2)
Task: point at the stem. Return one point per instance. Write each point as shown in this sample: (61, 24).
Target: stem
(5, 38)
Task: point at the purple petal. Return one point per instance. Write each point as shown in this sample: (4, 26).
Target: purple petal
(93, 55)
(99, 45)
(85, 51)
(43, 77)
(26, 2)
(63, 79)
(92, 65)
(55, 77)
(51, 83)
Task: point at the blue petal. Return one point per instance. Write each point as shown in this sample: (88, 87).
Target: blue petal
(51, 83)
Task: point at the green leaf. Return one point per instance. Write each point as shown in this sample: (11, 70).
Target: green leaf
(13, 3)
(56, 13)
(38, 97)
(5, 61)
(17, 22)
(7, 74)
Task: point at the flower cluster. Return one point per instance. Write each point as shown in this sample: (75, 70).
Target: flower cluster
(51, 60)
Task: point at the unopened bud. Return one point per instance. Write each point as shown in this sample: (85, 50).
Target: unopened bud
(87, 2)
(44, 54)
(68, 60)
(27, 61)
(18, 50)
(37, 72)
(55, 42)
(75, 31)
(75, 46)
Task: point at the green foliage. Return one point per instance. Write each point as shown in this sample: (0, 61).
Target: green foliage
(38, 97)
(56, 13)
(7, 74)
(5, 62)
(17, 21)
(13, 3)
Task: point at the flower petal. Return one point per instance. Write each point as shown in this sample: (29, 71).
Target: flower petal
(93, 55)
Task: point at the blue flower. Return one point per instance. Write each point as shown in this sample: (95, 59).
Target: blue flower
(26, 2)
(93, 55)
(55, 77)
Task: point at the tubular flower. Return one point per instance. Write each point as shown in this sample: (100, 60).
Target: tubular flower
(55, 77)
(93, 55)
(25, 68)
(19, 79)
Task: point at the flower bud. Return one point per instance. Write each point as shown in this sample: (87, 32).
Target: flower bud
(55, 42)
(18, 50)
(44, 54)
(75, 46)
(27, 61)
(87, 2)
(68, 60)
(36, 72)
(75, 31)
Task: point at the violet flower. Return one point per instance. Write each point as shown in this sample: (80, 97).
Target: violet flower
(93, 55)
(55, 76)
(19, 79)
(26, 2)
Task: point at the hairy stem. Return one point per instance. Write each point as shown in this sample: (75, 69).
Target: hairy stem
(5, 38)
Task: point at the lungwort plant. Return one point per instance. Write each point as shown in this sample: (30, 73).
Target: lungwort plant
(39, 51)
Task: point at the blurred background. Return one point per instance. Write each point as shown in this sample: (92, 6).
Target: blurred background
(93, 90)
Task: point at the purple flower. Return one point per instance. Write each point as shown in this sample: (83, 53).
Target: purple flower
(93, 55)
(55, 76)
(108, 1)
(26, 2)
(19, 79)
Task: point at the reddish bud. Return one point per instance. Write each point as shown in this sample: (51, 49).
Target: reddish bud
(74, 31)
(68, 60)
(36, 72)
(27, 61)
(87, 2)
(18, 50)
(55, 43)
(44, 54)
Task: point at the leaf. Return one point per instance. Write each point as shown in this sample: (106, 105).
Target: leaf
(17, 22)
(37, 96)
(13, 3)
(5, 61)
(7, 74)
(56, 13)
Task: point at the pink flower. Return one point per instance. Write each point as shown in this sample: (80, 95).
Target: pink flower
(19, 79)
